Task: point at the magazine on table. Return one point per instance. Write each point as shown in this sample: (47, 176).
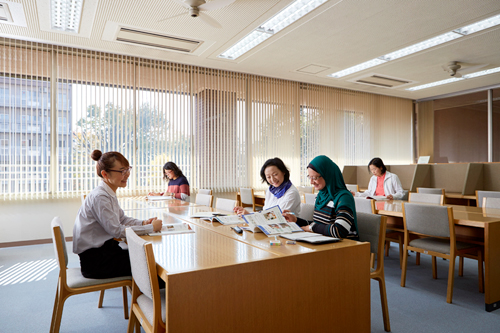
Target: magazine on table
(158, 197)
(203, 215)
(310, 237)
(377, 197)
(226, 220)
(271, 222)
(170, 229)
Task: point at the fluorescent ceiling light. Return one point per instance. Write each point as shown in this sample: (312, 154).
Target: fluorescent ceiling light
(455, 79)
(421, 46)
(278, 22)
(65, 15)
(478, 26)
(357, 68)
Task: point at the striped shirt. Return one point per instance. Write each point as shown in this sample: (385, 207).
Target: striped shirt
(332, 222)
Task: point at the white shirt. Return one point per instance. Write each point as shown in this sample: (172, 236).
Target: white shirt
(290, 200)
(392, 185)
(100, 218)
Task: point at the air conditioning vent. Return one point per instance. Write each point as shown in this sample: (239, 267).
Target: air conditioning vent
(378, 80)
(173, 43)
(5, 13)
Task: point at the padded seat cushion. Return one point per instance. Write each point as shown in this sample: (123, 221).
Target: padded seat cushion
(438, 244)
(75, 279)
(146, 305)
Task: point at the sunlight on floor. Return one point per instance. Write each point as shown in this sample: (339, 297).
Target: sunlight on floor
(24, 272)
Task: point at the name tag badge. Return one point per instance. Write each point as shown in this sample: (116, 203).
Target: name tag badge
(330, 204)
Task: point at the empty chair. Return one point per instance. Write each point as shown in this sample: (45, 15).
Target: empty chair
(364, 205)
(148, 301)
(435, 222)
(426, 198)
(305, 189)
(405, 195)
(352, 187)
(489, 202)
(204, 191)
(204, 199)
(482, 194)
(306, 211)
(225, 204)
(310, 198)
(372, 229)
(248, 198)
(72, 282)
(430, 190)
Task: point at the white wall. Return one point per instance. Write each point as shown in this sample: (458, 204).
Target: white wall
(27, 220)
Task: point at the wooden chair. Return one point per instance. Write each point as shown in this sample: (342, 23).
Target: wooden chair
(148, 301)
(248, 199)
(430, 190)
(204, 199)
(372, 228)
(426, 198)
(306, 211)
(352, 187)
(310, 198)
(305, 189)
(364, 205)
(225, 204)
(490, 202)
(437, 225)
(72, 282)
(204, 191)
(482, 194)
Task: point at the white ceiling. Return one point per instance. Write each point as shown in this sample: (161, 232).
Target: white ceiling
(337, 35)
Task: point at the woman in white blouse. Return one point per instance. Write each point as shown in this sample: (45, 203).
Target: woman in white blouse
(382, 183)
(281, 191)
(100, 220)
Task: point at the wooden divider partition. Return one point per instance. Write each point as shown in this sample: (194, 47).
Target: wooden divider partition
(458, 179)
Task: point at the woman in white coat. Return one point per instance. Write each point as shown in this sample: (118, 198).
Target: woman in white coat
(382, 183)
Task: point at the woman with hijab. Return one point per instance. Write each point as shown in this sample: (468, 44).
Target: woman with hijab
(281, 191)
(334, 209)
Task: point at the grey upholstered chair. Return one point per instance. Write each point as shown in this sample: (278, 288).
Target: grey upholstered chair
(429, 190)
(426, 198)
(204, 199)
(435, 222)
(352, 187)
(225, 204)
(482, 194)
(306, 211)
(372, 228)
(248, 199)
(72, 282)
(305, 189)
(148, 301)
(204, 191)
(489, 202)
(364, 205)
(310, 198)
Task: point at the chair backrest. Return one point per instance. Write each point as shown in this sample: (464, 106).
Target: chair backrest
(437, 199)
(405, 195)
(371, 228)
(204, 199)
(364, 205)
(489, 202)
(429, 190)
(59, 243)
(204, 191)
(246, 195)
(305, 189)
(306, 211)
(482, 194)
(352, 187)
(225, 204)
(310, 198)
(142, 270)
(427, 219)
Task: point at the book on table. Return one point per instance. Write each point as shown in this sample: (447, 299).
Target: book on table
(175, 228)
(158, 197)
(310, 237)
(271, 222)
(225, 219)
(202, 215)
(377, 197)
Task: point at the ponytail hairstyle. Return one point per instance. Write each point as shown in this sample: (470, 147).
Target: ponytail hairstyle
(106, 161)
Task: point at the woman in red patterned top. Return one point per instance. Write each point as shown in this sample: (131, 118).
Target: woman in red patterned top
(178, 185)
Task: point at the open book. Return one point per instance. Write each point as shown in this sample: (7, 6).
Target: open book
(271, 222)
(176, 228)
(202, 215)
(377, 197)
(311, 237)
(226, 220)
(158, 197)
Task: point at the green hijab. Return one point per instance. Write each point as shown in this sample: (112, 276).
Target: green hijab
(335, 189)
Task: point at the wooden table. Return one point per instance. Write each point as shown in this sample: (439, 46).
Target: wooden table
(459, 198)
(218, 283)
(141, 203)
(472, 224)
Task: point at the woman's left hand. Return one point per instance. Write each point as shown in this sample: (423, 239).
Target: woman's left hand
(306, 228)
(390, 197)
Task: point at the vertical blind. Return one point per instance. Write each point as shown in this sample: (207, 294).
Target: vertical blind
(57, 104)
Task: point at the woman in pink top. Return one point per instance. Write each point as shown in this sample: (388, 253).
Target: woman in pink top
(382, 183)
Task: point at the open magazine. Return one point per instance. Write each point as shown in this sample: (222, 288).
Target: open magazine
(377, 197)
(158, 197)
(271, 222)
(311, 237)
(176, 228)
(226, 220)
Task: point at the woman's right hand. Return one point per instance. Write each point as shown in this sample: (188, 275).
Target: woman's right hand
(289, 217)
(153, 194)
(157, 224)
(240, 211)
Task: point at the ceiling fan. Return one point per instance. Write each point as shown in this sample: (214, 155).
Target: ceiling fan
(196, 8)
(457, 69)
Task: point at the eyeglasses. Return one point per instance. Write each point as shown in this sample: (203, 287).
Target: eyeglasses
(313, 178)
(123, 172)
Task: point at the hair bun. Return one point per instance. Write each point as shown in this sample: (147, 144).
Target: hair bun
(96, 155)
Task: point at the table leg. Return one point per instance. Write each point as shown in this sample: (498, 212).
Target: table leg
(492, 266)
